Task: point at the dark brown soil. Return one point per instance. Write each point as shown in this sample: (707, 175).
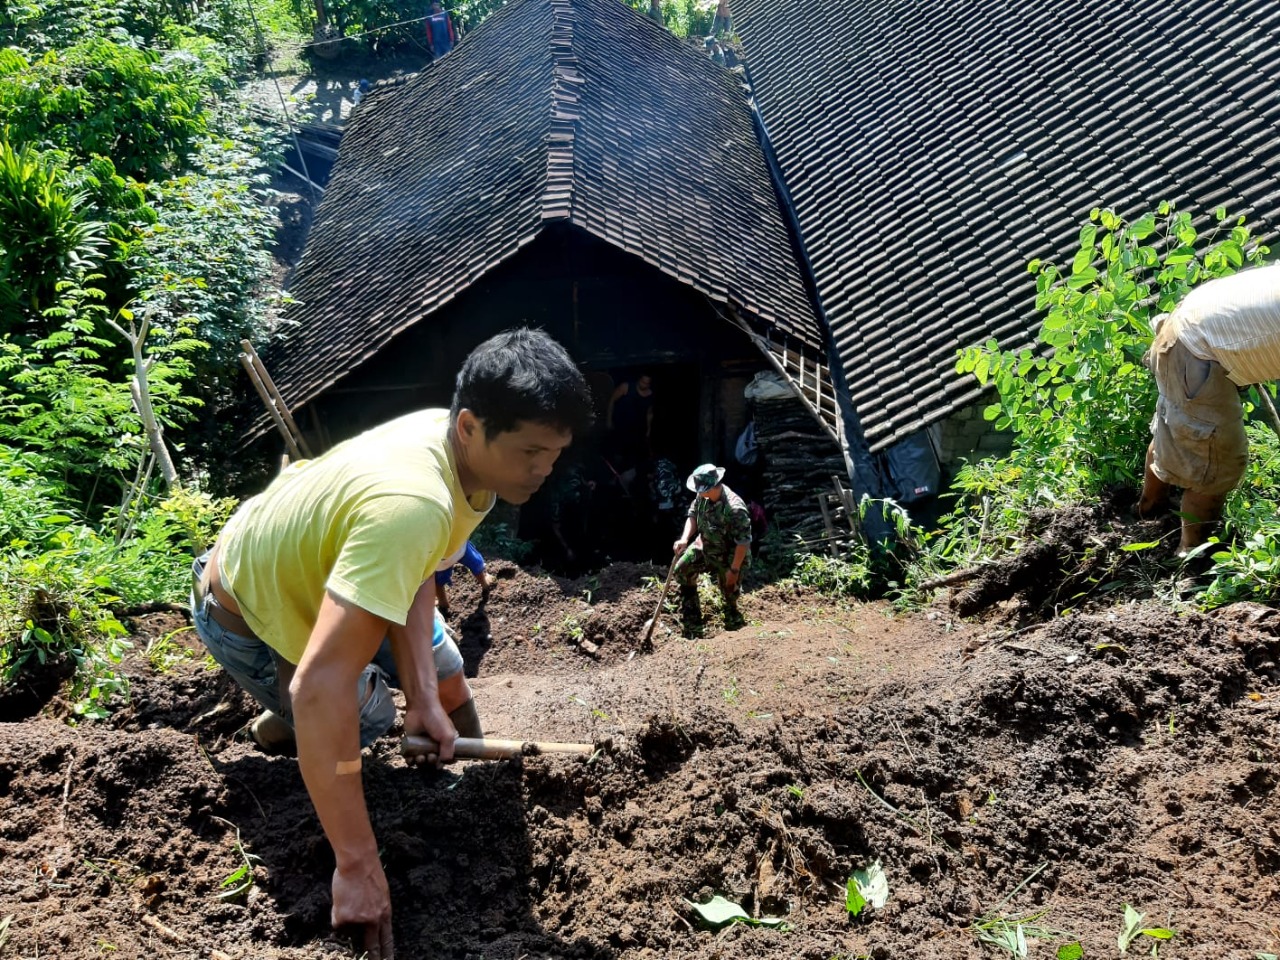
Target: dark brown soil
(1132, 751)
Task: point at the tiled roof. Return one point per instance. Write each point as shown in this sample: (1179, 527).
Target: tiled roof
(932, 148)
(552, 110)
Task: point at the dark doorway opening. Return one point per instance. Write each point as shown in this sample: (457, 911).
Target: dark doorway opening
(619, 495)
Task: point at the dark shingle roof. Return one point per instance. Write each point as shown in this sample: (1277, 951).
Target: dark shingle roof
(553, 110)
(932, 149)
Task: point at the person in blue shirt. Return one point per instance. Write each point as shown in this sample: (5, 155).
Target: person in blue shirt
(440, 35)
(470, 558)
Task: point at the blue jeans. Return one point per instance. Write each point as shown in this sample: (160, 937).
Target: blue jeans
(252, 665)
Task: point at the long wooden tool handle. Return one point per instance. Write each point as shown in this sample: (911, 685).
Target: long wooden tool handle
(471, 748)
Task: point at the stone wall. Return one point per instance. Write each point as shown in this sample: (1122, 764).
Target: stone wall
(799, 460)
(967, 436)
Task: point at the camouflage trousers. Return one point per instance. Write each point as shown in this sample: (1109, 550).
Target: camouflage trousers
(695, 560)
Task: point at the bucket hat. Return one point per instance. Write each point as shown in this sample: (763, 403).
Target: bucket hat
(704, 478)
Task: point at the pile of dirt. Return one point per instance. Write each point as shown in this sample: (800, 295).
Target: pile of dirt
(1130, 755)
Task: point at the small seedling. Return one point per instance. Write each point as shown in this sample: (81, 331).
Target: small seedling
(869, 887)
(4, 930)
(1010, 933)
(719, 912)
(1133, 928)
(796, 791)
(162, 652)
(732, 693)
(240, 880)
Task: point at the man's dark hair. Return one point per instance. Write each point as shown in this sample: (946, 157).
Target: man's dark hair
(523, 375)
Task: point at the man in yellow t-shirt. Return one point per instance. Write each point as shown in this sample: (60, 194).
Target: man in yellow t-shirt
(1222, 337)
(338, 555)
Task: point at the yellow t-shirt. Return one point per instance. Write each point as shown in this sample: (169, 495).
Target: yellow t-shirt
(369, 520)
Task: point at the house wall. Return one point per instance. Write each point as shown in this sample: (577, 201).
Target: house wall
(617, 316)
(967, 436)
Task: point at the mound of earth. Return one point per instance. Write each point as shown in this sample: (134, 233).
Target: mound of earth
(1052, 774)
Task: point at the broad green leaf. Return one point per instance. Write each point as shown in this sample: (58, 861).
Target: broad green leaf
(717, 912)
(1133, 547)
(1071, 951)
(1266, 956)
(1132, 924)
(1145, 226)
(1159, 933)
(854, 901)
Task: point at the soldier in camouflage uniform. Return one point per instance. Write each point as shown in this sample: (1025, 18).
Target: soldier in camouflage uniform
(716, 537)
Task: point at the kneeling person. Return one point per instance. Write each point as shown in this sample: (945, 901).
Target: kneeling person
(308, 578)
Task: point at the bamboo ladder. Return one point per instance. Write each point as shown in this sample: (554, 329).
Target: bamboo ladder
(271, 399)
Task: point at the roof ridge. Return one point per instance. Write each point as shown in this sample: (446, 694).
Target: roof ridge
(557, 197)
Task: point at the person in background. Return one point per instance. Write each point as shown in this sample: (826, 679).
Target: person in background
(337, 556)
(1222, 337)
(440, 35)
(439, 31)
(629, 420)
(715, 539)
(470, 558)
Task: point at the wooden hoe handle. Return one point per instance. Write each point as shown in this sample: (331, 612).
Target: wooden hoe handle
(473, 748)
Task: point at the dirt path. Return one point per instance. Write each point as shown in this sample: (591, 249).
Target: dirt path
(1133, 753)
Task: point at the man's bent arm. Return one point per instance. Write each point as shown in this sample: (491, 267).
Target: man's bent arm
(416, 664)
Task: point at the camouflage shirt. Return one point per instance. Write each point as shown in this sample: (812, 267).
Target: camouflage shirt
(722, 524)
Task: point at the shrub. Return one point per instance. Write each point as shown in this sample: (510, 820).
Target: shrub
(1078, 403)
(141, 108)
(47, 235)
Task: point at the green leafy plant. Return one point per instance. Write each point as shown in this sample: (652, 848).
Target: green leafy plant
(237, 883)
(50, 234)
(833, 576)
(164, 651)
(1132, 928)
(1011, 934)
(1072, 403)
(731, 693)
(719, 912)
(866, 888)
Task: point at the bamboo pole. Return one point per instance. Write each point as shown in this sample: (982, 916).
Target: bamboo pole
(275, 396)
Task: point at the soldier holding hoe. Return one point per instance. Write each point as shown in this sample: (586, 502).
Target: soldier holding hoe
(715, 539)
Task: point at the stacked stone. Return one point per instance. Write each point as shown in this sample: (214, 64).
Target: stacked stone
(799, 460)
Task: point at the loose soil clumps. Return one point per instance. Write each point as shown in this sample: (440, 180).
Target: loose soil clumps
(1127, 755)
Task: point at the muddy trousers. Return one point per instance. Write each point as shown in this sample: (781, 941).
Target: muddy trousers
(695, 561)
